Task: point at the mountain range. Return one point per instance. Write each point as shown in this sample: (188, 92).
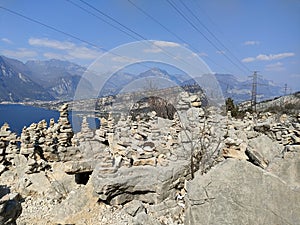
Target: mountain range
(57, 80)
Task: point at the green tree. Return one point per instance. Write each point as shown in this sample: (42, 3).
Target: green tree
(230, 106)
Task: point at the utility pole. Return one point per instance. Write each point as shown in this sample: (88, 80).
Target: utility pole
(254, 92)
(285, 89)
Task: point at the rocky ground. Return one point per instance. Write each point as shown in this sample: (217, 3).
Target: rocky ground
(199, 168)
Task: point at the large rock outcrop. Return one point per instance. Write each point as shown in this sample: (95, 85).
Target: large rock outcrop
(238, 192)
(147, 183)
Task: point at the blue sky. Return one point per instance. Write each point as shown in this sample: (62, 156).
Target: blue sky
(262, 35)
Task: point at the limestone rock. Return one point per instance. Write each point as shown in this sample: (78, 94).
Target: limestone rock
(143, 218)
(233, 153)
(10, 206)
(74, 167)
(147, 183)
(134, 207)
(287, 168)
(256, 158)
(142, 162)
(237, 192)
(266, 147)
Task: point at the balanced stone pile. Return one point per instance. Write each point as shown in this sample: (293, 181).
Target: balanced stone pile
(263, 141)
(243, 136)
(195, 101)
(8, 147)
(65, 132)
(146, 146)
(39, 145)
(285, 130)
(146, 163)
(183, 101)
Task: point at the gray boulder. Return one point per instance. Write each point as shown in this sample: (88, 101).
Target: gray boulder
(10, 206)
(287, 168)
(265, 148)
(237, 192)
(146, 183)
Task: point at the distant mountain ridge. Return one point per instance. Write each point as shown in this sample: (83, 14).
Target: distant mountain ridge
(38, 80)
(56, 79)
(16, 85)
(240, 90)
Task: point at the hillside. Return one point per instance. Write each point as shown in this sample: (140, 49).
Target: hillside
(240, 90)
(56, 79)
(16, 84)
(39, 80)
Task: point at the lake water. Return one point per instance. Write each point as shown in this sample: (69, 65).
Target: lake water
(18, 116)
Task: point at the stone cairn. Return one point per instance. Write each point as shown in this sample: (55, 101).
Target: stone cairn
(39, 145)
(146, 140)
(183, 101)
(85, 134)
(8, 147)
(65, 132)
(286, 132)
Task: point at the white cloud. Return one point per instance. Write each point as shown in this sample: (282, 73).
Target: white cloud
(263, 57)
(221, 52)
(276, 56)
(69, 50)
(251, 43)
(275, 67)
(52, 55)
(6, 40)
(158, 46)
(166, 44)
(84, 53)
(248, 59)
(45, 42)
(20, 53)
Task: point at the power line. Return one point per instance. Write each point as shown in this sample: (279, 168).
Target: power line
(65, 33)
(132, 31)
(51, 27)
(112, 19)
(214, 36)
(254, 92)
(171, 32)
(111, 24)
(71, 35)
(157, 21)
(220, 31)
(285, 89)
(200, 32)
(100, 18)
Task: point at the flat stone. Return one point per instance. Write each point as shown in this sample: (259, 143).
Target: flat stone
(257, 158)
(266, 147)
(143, 162)
(74, 167)
(196, 104)
(233, 153)
(134, 207)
